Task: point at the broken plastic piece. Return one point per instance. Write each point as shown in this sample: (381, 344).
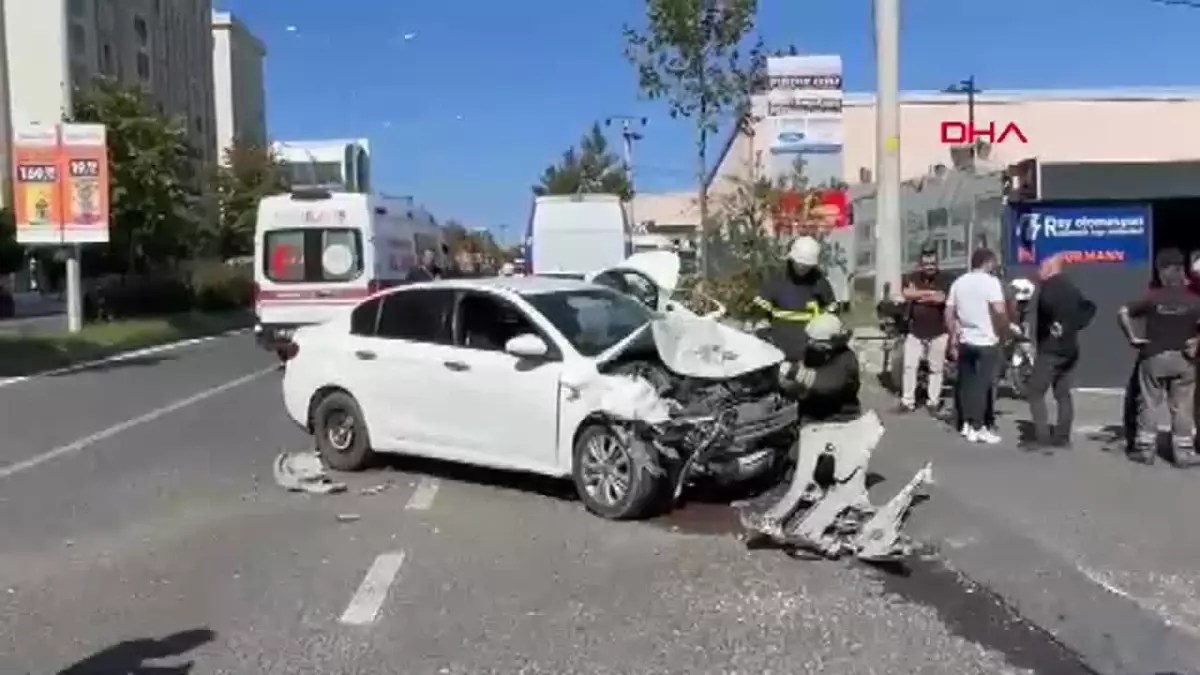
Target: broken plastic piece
(304, 472)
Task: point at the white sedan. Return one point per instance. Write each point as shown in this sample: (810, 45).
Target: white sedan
(489, 371)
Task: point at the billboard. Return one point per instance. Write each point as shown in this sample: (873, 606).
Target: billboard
(1084, 234)
(804, 116)
(61, 184)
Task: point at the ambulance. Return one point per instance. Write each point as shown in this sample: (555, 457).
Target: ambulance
(317, 253)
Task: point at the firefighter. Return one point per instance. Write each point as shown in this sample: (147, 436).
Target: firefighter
(799, 294)
(1166, 355)
(825, 381)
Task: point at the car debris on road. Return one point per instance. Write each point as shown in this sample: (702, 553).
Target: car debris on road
(304, 472)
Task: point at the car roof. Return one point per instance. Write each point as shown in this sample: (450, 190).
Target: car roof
(531, 285)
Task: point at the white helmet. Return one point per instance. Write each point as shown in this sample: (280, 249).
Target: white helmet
(805, 251)
(824, 328)
(1022, 289)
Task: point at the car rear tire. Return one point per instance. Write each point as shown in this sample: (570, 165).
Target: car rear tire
(610, 481)
(341, 433)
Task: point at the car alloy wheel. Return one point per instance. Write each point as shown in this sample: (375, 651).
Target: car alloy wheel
(607, 470)
(339, 431)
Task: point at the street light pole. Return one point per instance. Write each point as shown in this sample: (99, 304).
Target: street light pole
(967, 87)
(888, 225)
(629, 135)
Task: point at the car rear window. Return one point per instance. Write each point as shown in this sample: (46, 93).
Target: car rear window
(308, 255)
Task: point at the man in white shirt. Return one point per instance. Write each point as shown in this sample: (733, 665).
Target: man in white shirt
(976, 317)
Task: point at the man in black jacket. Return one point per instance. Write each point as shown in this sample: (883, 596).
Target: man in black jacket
(1062, 312)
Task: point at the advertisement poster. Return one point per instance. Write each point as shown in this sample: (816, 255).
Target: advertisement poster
(84, 149)
(1084, 234)
(60, 184)
(36, 185)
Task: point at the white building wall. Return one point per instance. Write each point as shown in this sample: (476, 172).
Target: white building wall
(240, 96)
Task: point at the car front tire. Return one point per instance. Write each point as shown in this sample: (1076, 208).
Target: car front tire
(341, 433)
(610, 481)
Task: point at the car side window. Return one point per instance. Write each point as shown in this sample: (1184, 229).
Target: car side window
(365, 318)
(419, 315)
(633, 284)
(487, 322)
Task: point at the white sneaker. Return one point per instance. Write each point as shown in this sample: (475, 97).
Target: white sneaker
(988, 436)
(970, 434)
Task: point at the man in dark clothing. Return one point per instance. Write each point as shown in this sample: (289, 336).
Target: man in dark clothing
(1167, 352)
(1062, 312)
(826, 382)
(927, 339)
(796, 297)
(428, 270)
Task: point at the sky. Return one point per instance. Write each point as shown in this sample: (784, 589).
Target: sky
(465, 102)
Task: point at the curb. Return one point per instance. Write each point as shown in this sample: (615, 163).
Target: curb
(123, 356)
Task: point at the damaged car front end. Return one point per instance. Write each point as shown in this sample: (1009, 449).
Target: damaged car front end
(692, 400)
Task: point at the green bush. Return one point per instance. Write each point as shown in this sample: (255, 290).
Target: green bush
(222, 287)
(130, 296)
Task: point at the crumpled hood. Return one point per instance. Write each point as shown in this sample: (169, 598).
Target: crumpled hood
(701, 347)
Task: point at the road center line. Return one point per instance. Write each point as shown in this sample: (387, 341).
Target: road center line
(81, 444)
(422, 497)
(369, 598)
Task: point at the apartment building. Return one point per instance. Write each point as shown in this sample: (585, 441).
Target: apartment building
(165, 46)
(239, 93)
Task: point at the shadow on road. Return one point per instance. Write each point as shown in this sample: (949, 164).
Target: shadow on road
(508, 480)
(132, 362)
(130, 657)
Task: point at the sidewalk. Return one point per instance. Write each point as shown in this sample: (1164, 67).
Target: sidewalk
(1102, 553)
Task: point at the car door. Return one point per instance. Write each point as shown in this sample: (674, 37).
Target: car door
(507, 405)
(651, 277)
(402, 367)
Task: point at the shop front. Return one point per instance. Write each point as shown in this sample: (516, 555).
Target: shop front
(1108, 220)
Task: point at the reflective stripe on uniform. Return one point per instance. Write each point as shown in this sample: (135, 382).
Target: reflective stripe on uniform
(811, 311)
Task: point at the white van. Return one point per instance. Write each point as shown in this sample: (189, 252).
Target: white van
(317, 252)
(577, 235)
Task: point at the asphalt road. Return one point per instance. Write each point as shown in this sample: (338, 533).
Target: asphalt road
(141, 528)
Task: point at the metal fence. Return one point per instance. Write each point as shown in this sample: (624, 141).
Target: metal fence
(956, 212)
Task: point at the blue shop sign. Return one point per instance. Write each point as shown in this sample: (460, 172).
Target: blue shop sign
(1084, 234)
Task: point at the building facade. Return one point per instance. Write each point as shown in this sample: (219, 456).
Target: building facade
(239, 88)
(337, 164)
(164, 46)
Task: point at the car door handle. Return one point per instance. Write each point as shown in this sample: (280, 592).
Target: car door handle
(457, 366)
(365, 355)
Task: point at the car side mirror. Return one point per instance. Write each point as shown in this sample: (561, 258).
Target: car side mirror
(527, 346)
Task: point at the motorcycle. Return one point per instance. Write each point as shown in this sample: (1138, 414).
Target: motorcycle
(1019, 351)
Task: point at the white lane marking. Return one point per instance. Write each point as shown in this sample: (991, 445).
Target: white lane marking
(422, 497)
(1100, 391)
(369, 598)
(81, 444)
(123, 356)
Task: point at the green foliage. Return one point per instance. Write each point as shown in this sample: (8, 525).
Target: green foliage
(743, 246)
(692, 54)
(248, 174)
(154, 199)
(589, 168)
(222, 286)
(12, 254)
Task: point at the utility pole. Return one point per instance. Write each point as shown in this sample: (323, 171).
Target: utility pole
(629, 136)
(967, 87)
(888, 224)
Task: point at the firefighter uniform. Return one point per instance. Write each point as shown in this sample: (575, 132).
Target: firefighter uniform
(796, 297)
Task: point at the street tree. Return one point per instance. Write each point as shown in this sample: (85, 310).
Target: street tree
(249, 173)
(154, 204)
(696, 55)
(591, 167)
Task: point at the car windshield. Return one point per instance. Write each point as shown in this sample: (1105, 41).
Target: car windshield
(592, 320)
